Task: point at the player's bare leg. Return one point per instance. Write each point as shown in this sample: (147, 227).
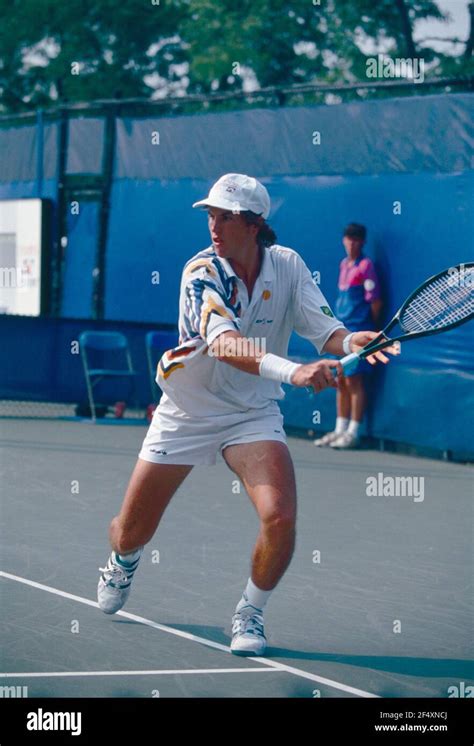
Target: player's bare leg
(150, 489)
(266, 471)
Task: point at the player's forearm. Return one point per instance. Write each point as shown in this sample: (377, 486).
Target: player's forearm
(233, 349)
(250, 355)
(240, 352)
(333, 345)
(246, 354)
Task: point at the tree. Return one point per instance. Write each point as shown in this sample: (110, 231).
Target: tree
(52, 51)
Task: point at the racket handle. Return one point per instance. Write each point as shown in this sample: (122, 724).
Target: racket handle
(349, 362)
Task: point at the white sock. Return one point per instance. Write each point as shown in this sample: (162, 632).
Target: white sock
(341, 424)
(131, 557)
(254, 596)
(353, 428)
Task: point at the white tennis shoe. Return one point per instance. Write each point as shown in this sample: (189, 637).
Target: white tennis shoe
(327, 439)
(345, 440)
(114, 583)
(248, 637)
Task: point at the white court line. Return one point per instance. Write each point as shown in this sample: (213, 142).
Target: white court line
(195, 638)
(171, 672)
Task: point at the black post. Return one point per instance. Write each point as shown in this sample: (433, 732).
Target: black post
(61, 218)
(39, 153)
(107, 176)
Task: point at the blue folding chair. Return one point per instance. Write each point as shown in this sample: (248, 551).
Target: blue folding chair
(156, 344)
(98, 351)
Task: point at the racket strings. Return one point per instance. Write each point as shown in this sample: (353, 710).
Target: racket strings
(439, 304)
(419, 318)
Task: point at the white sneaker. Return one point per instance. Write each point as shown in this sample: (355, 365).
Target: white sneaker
(248, 637)
(345, 440)
(326, 439)
(114, 583)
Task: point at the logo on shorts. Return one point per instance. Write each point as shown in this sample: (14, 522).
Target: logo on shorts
(327, 311)
(160, 453)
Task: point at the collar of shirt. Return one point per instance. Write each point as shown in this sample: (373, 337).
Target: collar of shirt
(266, 270)
(265, 277)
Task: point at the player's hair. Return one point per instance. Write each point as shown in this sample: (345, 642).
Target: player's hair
(355, 230)
(266, 236)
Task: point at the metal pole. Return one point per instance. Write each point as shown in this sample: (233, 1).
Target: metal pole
(98, 297)
(39, 152)
(60, 237)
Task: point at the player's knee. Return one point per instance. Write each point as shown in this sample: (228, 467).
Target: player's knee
(281, 521)
(281, 531)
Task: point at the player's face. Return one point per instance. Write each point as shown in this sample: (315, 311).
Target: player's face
(353, 246)
(229, 232)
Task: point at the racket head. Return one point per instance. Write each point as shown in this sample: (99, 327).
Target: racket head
(442, 302)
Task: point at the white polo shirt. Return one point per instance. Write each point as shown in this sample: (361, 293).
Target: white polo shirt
(213, 299)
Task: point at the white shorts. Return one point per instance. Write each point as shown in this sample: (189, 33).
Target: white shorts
(175, 437)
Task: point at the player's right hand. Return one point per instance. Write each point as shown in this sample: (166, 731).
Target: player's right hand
(319, 375)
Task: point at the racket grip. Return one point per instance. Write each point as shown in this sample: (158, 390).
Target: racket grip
(349, 362)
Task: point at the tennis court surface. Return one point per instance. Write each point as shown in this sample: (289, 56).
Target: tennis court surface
(376, 601)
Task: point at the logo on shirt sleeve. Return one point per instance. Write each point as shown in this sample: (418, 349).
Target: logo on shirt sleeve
(327, 311)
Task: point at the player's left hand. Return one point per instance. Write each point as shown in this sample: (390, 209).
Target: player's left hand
(361, 339)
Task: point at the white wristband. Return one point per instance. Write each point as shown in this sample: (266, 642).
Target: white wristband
(346, 343)
(277, 368)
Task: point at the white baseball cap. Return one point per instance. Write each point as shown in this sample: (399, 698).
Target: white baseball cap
(238, 192)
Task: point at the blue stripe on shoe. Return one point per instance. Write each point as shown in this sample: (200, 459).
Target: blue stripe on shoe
(114, 585)
(127, 565)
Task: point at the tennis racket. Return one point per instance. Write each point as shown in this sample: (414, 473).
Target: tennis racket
(442, 302)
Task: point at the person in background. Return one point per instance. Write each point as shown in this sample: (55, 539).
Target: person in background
(359, 307)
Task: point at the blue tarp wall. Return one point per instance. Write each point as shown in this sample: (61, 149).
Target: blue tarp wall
(416, 151)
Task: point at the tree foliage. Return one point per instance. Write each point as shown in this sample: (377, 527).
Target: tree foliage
(58, 52)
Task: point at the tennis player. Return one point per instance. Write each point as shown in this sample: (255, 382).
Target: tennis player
(240, 300)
